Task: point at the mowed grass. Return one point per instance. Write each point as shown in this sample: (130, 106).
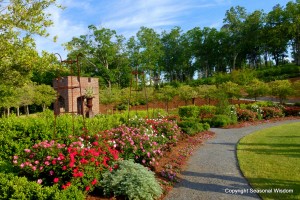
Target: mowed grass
(270, 159)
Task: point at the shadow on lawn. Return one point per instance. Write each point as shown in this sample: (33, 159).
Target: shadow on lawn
(290, 150)
(265, 183)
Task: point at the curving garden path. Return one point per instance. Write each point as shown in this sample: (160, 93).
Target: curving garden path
(212, 171)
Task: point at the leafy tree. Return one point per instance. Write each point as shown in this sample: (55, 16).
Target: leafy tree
(166, 94)
(187, 93)
(256, 88)
(233, 20)
(26, 96)
(101, 50)
(242, 76)
(230, 89)
(44, 95)
(252, 37)
(150, 44)
(275, 37)
(292, 12)
(17, 51)
(207, 92)
(110, 96)
(282, 89)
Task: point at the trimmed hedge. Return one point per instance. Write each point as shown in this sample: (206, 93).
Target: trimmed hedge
(14, 187)
(188, 112)
(192, 127)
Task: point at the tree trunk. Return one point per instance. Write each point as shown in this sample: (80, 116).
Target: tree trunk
(234, 60)
(18, 111)
(27, 110)
(8, 112)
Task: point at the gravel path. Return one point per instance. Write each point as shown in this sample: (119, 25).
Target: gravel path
(212, 171)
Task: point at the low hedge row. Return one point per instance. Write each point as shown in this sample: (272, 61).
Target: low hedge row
(14, 187)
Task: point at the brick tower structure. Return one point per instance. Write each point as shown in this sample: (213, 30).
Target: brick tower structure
(69, 91)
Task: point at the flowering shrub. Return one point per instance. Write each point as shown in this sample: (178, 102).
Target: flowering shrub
(80, 162)
(291, 111)
(246, 115)
(256, 108)
(170, 173)
(271, 112)
(146, 142)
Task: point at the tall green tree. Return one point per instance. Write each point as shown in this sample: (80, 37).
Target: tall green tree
(151, 51)
(234, 21)
(101, 48)
(275, 37)
(292, 12)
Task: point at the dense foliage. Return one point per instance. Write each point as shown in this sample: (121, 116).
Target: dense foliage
(131, 180)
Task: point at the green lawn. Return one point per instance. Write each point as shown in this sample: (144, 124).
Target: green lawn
(270, 159)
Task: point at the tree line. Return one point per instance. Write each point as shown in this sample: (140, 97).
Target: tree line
(253, 40)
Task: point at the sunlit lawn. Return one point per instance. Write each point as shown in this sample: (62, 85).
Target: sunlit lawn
(270, 159)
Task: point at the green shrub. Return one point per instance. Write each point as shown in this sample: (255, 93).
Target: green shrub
(131, 180)
(220, 121)
(265, 103)
(188, 112)
(14, 187)
(207, 111)
(191, 127)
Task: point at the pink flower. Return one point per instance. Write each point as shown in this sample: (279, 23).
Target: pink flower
(39, 181)
(15, 161)
(27, 150)
(47, 163)
(148, 154)
(41, 168)
(22, 165)
(144, 161)
(64, 167)
(33, 168)
(53, 162)
(16, 157)
(51, 172)
(55, 180)
(36, 162)
(48, 157)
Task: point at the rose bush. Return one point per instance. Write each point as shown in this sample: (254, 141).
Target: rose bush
(79, 161)
(146, 141)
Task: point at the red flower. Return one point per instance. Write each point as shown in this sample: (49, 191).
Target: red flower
(94, 181)
(64, 167)
(71, 164)
(87, 188)
(95, 143)
(83, 161)
(53, 162)
(55, 180)
(105, 159)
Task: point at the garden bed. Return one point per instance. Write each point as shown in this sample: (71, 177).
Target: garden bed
(176, 157)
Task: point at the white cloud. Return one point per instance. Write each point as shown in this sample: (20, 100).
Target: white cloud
(63, 28)
(124, 16)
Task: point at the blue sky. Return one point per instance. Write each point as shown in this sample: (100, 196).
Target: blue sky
(127, 16)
